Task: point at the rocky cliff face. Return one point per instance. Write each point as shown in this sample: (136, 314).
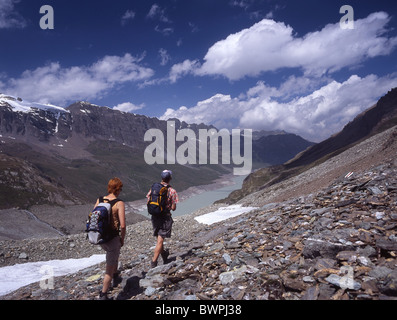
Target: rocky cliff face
(75, 151)
(33, 123)
(103, 123)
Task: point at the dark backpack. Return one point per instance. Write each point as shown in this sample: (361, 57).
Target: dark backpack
(98, 227)
(157, 204)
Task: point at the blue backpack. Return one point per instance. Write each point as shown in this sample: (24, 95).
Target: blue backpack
(98, 227)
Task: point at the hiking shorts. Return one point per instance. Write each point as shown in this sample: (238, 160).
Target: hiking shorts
(162, 226)
(112, 249)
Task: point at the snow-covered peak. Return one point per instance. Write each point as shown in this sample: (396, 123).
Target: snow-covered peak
(18, 105)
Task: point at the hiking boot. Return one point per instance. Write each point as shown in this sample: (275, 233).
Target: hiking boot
(153, 264)
(164, 255)
(104, 296)
(117, 279)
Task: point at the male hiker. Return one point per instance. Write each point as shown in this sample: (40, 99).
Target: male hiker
(162, 199)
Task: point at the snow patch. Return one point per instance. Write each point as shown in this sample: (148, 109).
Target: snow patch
(224, 213)
(18, 105)
(20, 275)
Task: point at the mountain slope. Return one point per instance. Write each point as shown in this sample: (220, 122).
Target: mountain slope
(75, 151)
(379, 117)
(78, 149)
(338, 243)
(278, 148)
(317, 235)
(375, 120)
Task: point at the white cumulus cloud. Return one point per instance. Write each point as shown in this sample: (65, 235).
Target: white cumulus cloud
(269, 45)
(315, 115)
(128, 107)
(181, 69)
(53, 83)
(313, 105)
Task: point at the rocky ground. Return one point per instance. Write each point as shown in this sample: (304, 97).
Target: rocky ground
(337, 242)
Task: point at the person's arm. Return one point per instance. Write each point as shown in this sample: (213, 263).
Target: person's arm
(148, 196)
(121, 213)
(175, 200)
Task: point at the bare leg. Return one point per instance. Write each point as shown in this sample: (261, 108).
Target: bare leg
(110, 271)
(158, 249)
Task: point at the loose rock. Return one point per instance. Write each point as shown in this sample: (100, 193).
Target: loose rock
(338, 243)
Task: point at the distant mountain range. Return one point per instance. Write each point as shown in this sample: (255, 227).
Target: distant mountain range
(376, 119)
(53, 155)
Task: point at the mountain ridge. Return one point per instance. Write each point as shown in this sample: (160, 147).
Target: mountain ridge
(307, 230)
(79, 148)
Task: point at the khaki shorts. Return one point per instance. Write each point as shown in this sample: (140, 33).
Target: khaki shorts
(112, 249)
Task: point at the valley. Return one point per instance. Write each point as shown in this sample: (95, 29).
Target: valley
(321, 226)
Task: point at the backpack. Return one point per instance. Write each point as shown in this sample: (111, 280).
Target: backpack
(157, 204)
(98, 226)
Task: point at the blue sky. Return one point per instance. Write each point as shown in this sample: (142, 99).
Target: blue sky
(256, 64)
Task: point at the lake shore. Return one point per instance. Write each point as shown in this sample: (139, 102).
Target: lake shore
(139, 206)
(45, 221)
